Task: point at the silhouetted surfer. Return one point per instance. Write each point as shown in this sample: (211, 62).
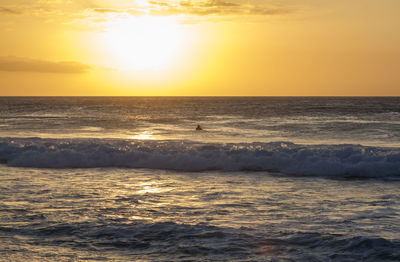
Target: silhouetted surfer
(198, 128)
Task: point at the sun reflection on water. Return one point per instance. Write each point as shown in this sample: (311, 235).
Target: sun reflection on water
(152, 187)
(144, 136)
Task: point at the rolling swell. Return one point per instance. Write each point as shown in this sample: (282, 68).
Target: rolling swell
(204, 243)
(284, 157)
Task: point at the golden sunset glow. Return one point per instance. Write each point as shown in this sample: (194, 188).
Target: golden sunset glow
(144, 43)
(173, 47)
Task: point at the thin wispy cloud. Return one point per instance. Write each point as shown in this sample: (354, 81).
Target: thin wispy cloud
(9, 11)
(92, 12)
(196, 8)
(19, 64)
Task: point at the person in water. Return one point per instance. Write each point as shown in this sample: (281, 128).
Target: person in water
(199, 128)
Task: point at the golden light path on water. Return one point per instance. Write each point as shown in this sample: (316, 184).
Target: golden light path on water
(130, 214)
(144, 136)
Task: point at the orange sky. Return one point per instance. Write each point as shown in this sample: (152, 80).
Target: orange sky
(199, 47)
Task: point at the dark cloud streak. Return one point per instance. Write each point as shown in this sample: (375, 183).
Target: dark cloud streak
(219, 3)
(16, 64)
(107, 10)
(9, 11)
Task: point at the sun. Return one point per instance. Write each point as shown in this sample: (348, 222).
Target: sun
(144, 43)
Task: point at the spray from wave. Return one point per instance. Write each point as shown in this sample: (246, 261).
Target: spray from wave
(284, 157)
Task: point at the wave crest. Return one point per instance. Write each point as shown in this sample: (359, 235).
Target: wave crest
(284, 157)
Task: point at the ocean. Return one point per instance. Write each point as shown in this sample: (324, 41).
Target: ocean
(266, 179)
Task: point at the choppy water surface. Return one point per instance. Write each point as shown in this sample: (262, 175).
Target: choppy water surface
(120, 214)
(307, 120)
(268, 179)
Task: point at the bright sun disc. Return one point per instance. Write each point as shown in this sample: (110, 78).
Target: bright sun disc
(144, 42)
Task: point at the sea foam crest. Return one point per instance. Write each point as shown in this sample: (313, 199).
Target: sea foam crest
(284, 157)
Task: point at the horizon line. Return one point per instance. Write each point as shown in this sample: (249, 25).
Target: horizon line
(249, 96)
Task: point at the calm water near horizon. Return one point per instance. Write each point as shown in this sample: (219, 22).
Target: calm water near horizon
(267, 179)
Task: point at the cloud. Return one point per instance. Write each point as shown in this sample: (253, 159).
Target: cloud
(199, 8)
(107, 10)
(220, 7)
(83, 14)
(9, 11)
(18, 64)
(270, 11)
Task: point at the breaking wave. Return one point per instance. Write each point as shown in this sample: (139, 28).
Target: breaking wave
(283, 157)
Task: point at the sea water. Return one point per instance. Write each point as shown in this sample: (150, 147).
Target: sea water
(267, 179)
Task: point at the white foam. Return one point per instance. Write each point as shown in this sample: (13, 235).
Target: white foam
(285, 157)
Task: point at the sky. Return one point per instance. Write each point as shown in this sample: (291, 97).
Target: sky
(199, 47)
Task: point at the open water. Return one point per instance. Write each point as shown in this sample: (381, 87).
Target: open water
(267, 179)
